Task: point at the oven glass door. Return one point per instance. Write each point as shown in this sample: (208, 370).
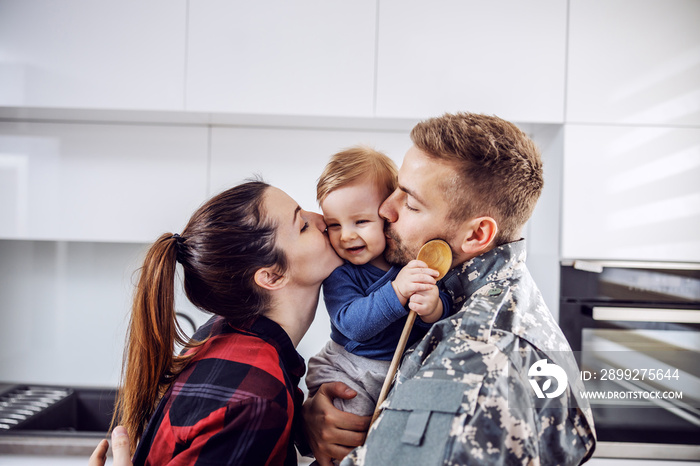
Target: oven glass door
(642, 374)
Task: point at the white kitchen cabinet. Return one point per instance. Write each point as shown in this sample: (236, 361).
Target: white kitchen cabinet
(631, 193)
(634, 62)
(290, 159)
(85, 54)
(505, 58)
(310, 57)
(66, 309)
(99, 182)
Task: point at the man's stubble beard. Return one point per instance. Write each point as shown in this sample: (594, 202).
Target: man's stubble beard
(396, 252)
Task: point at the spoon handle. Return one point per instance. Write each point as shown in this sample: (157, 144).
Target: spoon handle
(394, 363)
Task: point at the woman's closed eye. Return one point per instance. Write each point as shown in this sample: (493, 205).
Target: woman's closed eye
(305, 226)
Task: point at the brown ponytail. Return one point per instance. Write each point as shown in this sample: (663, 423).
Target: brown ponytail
(225, 242)
(149, 363)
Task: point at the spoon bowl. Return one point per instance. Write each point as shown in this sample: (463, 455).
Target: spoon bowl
(438, 255)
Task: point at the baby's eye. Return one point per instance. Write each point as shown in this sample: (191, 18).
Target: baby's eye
(333, 225)
(362, 221)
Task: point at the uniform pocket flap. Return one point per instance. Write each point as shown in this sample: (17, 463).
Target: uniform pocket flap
(420, 413)
(434, 395)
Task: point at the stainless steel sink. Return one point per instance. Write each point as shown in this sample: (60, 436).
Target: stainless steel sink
(52, 410)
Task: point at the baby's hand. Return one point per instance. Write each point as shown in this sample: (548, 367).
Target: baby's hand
(415, 277)
(427, 304)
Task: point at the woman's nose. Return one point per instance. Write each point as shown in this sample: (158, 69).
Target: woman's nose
(388, 208)
(317, 220)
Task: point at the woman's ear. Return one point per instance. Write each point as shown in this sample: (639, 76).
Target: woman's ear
(270, 278)
(479, 237)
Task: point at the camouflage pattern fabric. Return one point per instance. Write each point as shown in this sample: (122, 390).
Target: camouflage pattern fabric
(463, 395)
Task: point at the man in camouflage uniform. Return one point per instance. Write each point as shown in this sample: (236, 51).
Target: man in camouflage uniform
(466, 393)
(471, 374)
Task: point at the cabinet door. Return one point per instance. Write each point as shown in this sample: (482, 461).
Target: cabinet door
(68, 306)
(94, 182)
(85, 54)
(634, 61)
(290, 159)
(310, 57)
(631, 193)
(505, 58)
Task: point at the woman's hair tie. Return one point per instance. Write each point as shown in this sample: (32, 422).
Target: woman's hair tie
(178, 242)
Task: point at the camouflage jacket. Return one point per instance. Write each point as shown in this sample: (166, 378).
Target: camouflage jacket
(467, 392)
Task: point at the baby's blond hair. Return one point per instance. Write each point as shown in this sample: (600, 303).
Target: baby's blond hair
(354, 163)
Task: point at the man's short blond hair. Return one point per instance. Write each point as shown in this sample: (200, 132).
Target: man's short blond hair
(499, 168)
(353, 164)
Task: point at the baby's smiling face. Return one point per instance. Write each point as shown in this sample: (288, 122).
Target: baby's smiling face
(355, 229)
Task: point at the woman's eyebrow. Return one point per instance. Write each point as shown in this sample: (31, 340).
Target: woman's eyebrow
(296, 212)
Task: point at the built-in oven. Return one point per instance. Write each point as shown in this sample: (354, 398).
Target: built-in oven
(635, 330)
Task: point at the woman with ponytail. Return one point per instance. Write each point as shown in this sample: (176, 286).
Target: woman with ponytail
(255, 260)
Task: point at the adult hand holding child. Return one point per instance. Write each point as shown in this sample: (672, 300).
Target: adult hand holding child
(120, 450)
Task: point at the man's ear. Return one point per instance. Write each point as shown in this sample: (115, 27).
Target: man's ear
(270, 278)
(479, 237)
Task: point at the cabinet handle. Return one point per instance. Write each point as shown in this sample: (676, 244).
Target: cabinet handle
(636, 314)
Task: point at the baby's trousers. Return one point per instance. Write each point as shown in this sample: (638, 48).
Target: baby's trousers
(366, 376)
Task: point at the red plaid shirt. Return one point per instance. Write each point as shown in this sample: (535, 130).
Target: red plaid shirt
(235, 403)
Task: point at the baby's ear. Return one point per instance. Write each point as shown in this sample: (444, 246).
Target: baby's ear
(269, 278)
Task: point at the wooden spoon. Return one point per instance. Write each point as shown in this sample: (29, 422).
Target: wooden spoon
(438, 256)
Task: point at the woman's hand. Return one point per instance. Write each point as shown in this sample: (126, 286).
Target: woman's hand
(120, 450)
(331, 432)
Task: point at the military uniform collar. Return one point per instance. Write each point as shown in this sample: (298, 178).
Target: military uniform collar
(480, 273)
